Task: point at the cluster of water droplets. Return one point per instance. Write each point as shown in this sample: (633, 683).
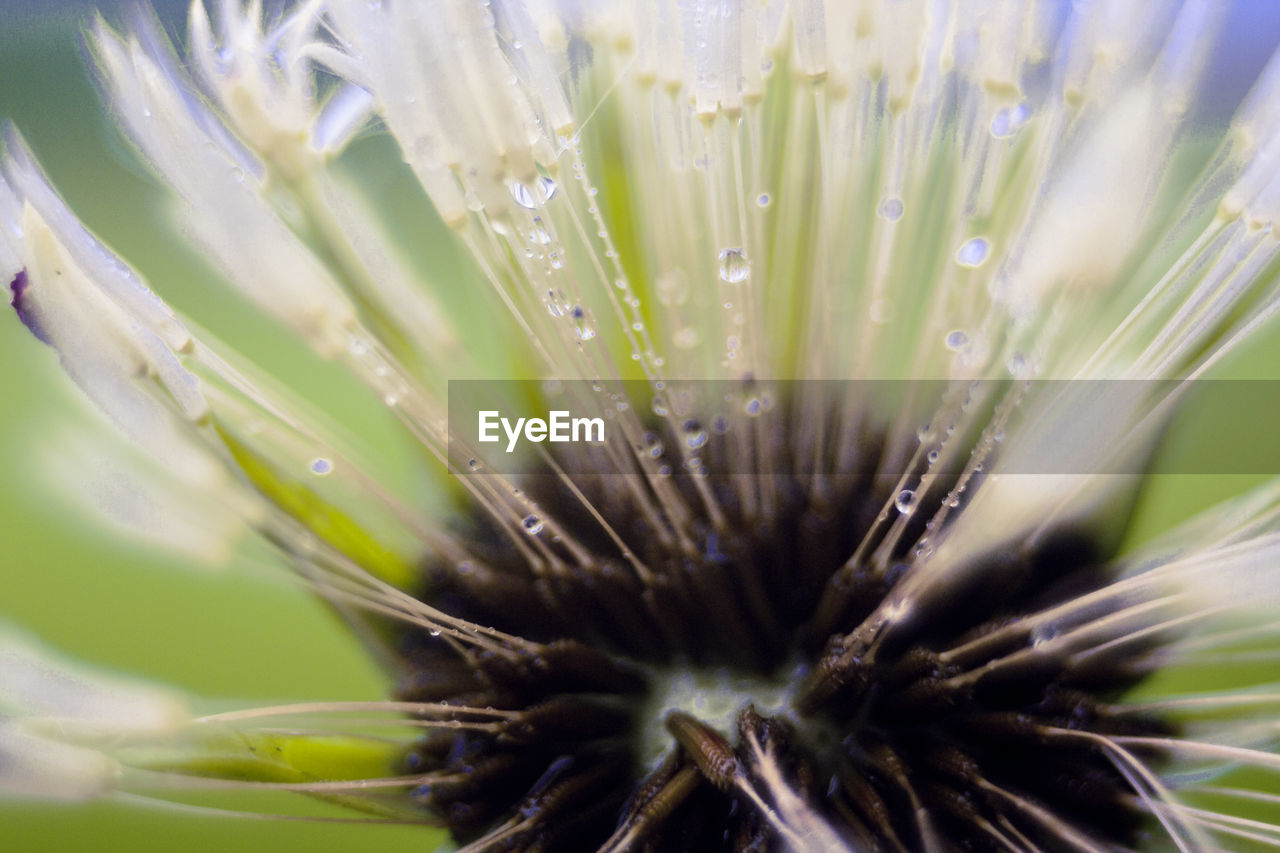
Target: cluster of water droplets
(1008, 121)
(694, 435)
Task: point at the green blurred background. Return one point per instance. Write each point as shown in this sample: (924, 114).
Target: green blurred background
(227, 635)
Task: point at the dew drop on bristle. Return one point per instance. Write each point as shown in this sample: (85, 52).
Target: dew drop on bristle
(530, 198)
(532, 525)
(548, 187)
(891, 209)
(1009, 121)
(1019, 366)
(734, 266)
(905, 502)
(973, 253)
(583, 326)
(321, 466)
(522, 196)
(957, 339)
(1041, 637)
(763, 200)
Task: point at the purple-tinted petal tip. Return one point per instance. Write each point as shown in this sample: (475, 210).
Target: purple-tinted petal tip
(19, 287)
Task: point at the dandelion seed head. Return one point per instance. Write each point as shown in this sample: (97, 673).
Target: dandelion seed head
(780, 613)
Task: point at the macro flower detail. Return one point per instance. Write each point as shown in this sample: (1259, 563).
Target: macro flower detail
(884, 307)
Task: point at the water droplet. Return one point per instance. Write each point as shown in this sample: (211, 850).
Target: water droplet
(522, 196)
(998, 436)
(973, 253)
(527, 198)
(905, 502)
(899, 609)
(532, 525)
(658, 408)
(557, 304)
(892, 208)
(582, 324)
(1009, 121)
(925, 433)
(734, 266)
(1043, 636)
(957, 339)
(763, 200)
(932, 456)
(237, 174)
(653, 445)
(321, 466)
(664, 471)
(1019, 366)
(694, 435)
(752, 407)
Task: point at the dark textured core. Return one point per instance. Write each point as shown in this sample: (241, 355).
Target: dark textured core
(899, 736)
